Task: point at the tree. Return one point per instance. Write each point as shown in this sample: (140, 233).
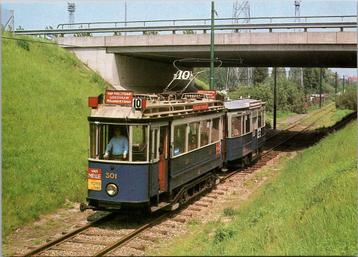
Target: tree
(295, 75)
(260, 74)
(281, 72)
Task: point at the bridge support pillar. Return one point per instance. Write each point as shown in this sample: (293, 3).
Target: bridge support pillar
(127, 72)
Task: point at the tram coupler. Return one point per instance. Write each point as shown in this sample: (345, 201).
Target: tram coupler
(84, 206)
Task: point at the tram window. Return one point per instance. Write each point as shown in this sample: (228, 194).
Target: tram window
(92, 149)
(179, 139)
(259, 120)
(101, 146)
(204, 132)
(254, 123)
(139, 143)
(215, 130)
(110, 148)
(248, 123)
(193, 135)
(153, 139)
(236, 126)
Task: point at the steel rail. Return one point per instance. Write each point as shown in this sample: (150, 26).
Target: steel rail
(262, 26)
(68, 236)
(132, 235)
(205, 20)
(297, 122)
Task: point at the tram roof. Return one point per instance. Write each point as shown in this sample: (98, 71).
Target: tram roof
(155, 108)
(129, 106)
(243, 104)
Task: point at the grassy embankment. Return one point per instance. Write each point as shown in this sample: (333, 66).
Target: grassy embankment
(308, 208)
(44, 122)
(330, 117)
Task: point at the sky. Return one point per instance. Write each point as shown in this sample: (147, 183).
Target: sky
(37, 14)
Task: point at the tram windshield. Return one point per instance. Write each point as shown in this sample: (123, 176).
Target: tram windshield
(119, 142)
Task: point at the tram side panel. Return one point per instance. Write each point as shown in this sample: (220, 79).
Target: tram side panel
(194, 164)
(245, 132)
(189, 162)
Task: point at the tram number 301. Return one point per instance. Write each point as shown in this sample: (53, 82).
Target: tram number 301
(111, 175)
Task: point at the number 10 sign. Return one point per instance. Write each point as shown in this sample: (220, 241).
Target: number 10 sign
(184, 75)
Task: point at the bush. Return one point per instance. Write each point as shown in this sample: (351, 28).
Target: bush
(290, 97)
(348, 99)
(229, 212)
(23, 44)
(222, 234)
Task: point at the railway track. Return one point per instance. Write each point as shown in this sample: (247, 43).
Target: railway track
(123, 235)
(317, 113)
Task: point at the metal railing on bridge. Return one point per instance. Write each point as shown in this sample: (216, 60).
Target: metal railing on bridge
(190, 25)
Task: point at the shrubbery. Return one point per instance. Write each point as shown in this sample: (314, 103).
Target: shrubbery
(223, 233)
(348, 99)
(290, 97)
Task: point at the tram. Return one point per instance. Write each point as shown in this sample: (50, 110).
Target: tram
(175, 145)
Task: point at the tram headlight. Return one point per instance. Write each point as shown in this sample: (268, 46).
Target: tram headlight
(111, 189)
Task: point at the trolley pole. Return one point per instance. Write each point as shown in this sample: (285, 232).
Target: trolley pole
(212, 47)
(320, 88)
(274, 97)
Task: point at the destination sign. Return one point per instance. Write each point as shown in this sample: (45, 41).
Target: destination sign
(124, 98)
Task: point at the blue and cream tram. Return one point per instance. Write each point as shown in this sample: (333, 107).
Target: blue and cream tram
(245, 130)
(173, 147)
(157, 151)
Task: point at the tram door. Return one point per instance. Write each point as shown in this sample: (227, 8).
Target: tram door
(159, 152)
(163, 158)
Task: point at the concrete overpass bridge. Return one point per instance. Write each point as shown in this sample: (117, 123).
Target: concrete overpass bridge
(141, 57)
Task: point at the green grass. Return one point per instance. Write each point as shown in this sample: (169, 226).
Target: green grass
(308, 208)
(44, 122)
(280, 116)
(328, 119)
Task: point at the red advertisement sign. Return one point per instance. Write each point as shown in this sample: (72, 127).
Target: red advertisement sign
(210, 93)
(198, 107)
(94, 173)
(124, 98)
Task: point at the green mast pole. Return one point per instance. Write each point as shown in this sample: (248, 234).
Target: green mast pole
(212, 47)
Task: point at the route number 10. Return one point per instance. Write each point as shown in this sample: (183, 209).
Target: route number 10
(185, 75)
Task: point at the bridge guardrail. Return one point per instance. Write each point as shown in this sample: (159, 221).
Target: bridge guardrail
(173, 28)
(174, 22)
